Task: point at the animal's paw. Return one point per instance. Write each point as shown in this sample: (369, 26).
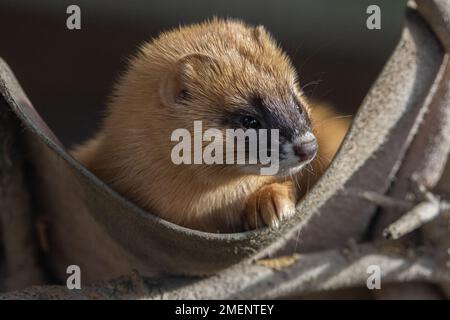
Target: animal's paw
(269, 205)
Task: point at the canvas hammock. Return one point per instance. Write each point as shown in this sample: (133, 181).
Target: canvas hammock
(398, 146)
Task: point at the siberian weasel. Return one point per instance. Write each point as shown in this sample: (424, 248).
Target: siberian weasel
(228, 75)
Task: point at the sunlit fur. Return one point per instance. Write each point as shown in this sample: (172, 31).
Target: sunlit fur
(131, 151)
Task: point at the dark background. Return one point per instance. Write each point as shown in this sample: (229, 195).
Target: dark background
(68, 74)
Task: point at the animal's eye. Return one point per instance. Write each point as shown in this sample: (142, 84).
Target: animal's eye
(250, 122)
(298, 104)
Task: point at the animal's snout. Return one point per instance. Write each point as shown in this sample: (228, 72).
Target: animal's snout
(306, 147)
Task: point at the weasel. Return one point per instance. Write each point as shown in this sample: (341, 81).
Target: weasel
(228, 75)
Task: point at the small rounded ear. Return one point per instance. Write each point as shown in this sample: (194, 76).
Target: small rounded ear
(175, 86)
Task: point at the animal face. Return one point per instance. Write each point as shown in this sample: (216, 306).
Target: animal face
(226, 93)
(228, 80)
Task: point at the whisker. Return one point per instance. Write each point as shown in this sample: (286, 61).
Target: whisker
(314, 82)
(322, 122)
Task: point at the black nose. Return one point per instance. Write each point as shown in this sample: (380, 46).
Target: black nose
(306, 149)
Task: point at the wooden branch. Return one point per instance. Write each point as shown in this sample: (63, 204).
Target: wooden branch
(413, 219)
(308, 273)
(415, 216)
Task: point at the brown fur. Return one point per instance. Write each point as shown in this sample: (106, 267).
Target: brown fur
(220, 63)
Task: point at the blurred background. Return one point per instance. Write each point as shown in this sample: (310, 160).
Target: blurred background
(68, 74)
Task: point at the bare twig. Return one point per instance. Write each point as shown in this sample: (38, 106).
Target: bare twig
(429, 207)
(413, 219)
(382, 200)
